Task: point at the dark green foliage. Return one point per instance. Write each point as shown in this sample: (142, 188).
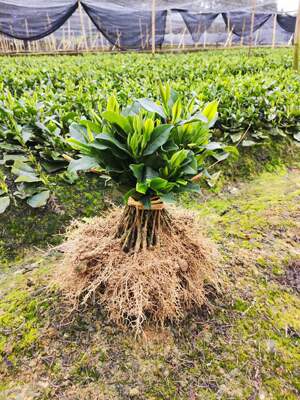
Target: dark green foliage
(150, 149)
(40, 98)
(23, 227)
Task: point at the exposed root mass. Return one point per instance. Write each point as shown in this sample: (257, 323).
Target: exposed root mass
(153, 279)
(140, 229)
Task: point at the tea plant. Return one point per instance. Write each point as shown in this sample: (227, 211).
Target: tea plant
(39, 101)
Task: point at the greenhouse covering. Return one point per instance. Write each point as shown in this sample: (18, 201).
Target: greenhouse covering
(75, 25)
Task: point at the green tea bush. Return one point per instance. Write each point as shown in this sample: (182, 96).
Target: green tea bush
(40, 98)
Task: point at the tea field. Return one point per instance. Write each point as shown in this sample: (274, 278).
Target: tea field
(42, 96)
(246, 345)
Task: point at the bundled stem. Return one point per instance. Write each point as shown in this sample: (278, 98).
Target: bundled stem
(140, 229)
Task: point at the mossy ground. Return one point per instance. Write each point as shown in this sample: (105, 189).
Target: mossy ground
(246, 347)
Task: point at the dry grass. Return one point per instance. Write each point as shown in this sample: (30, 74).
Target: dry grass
(156, 284)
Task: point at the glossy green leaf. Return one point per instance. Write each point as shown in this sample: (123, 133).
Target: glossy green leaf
(138, 171)
(4, 203)
(82, 164)
(118, 119)
(39, 199)
(159, 137)
(152, 107)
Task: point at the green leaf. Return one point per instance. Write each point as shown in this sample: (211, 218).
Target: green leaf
(27, 133)
(24, 171)
(128, 194)
(210, 112)
(54, 166)
(182, 182)
(221, 156)
(104, 137)
(13, 157)
(92, 126)
(27, 190)
(157, 183)
(214, 146)
(82, 164)
(150, 173)
(146, 201)
(4, 203)
(152, 107)
(190, 187)
(39, 199)
(297, 136)
(78, 132)
(118, 119)
(141, 187)
(27, 178)
(173, 97)
(232, 150)
(179, 158)
(138, 170)
(236, 137)
(248, 143)
(159, 137)
(77, 145)
(167, 198)
(170, 145)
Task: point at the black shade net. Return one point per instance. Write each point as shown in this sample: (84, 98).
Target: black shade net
(287, 22)
(240, 23)
(128, 29)
(33, 22)
(197, 23)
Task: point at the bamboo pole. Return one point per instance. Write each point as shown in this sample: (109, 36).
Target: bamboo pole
(181, 42)
(102, 41)
(252, 24)
(297, 41)
(52, 39)
(274, 31)
(243, 31)
(27, 32)
(256, 37)
(69, 34)
(91, 33)
(4, 44)
(82, 25)
(228, 30)
(95, 41)
(171, 28)
(141, 32)
(153, 25)
(147, 37)
(204, 38)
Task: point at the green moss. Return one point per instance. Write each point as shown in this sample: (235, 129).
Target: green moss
(247, 346)
(24, 227)
(21, 314)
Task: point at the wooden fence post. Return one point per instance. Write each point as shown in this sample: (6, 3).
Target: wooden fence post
(274, 31)
(153, 25)
(297, 40)
(252, 24)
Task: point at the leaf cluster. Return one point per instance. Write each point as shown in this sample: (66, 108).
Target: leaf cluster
(149, 148)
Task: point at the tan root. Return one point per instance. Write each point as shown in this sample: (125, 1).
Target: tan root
(140, 229)
(160, 276)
